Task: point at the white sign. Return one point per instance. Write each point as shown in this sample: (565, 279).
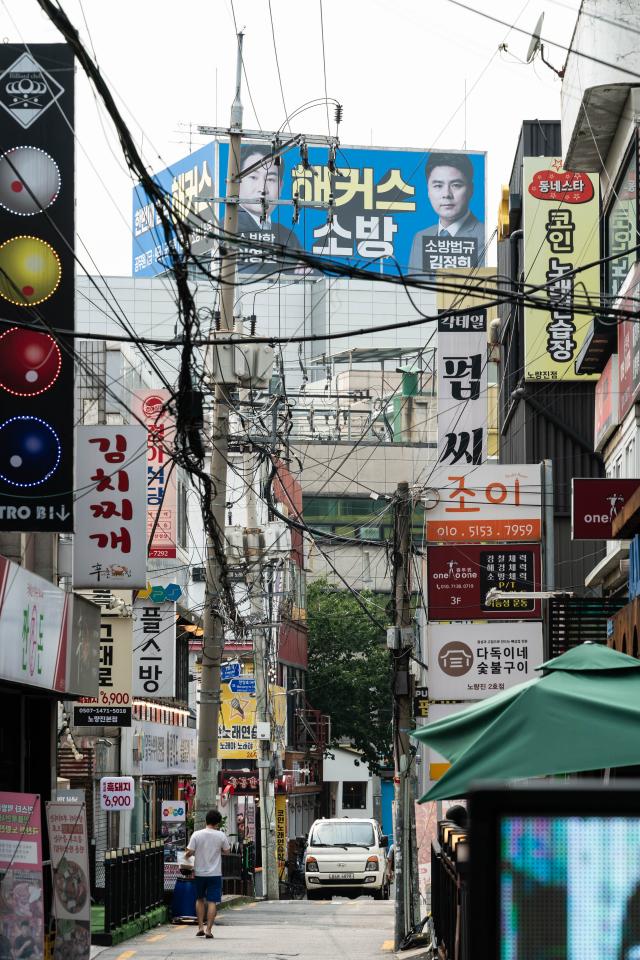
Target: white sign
(152, 407)
(173, 811)
(163, 749)
(489, 503)
(117, 794)
(34, 629)
(473, 661)
(462, 388)
(110, 546)
(154, 649)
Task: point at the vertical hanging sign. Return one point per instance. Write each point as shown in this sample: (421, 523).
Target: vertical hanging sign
(36, 286)
(151, 407)
(462, 388)
(154, 649)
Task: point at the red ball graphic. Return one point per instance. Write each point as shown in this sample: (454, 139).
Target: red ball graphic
(30, 362)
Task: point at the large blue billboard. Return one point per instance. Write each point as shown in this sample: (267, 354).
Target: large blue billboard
(383, 210)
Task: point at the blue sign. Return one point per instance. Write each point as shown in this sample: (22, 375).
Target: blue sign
(393, 210)
(229, 670)
(243, 685)
(185, 181)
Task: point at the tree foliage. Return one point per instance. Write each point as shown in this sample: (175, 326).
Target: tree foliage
(349, 675)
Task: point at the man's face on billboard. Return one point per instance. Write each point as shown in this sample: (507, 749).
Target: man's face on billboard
(263, 179)
(449, 193)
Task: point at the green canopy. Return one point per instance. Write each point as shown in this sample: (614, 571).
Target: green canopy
(583, 713)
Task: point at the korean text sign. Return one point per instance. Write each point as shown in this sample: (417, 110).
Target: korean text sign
(237, 731)
(459, 578)
(477, 660)
(462, 388)
(561, 234)
(113, 703)
(69, 851)
(162, 502)
(154, 649)
(164, 749)
(117, 793)
(595, 503)
(493, 502)
(110, 547)
(21, 903)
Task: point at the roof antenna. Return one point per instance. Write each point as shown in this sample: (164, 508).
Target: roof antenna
(537, 46)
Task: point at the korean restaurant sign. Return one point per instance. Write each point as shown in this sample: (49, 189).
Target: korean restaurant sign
(595, 503)
(561, 234)
(112, 706)
(489, 503)
(459, 578)
(110, 546)
(22, 900)
(163, 749)
(151, 406)
(69, 852)
(472, 661)
(154, 649)
(462, 388)
(117, 794)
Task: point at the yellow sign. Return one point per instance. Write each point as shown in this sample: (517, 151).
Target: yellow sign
(561, 234)
(237, 734)
(281, 828)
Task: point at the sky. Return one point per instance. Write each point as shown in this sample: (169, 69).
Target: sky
(399, 69)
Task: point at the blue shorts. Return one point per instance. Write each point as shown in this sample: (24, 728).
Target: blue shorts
(209, 888)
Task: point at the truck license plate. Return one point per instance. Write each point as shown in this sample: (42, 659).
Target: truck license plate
(341, 876)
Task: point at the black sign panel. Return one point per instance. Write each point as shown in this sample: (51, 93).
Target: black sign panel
(96, 716)
(36, 286)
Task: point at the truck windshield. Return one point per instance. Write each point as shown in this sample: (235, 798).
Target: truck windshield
(342, 834)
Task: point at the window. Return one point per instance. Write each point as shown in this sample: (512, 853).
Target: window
(331, 834)
(354, 795)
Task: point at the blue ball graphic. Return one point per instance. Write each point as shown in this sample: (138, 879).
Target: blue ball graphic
(29, 451)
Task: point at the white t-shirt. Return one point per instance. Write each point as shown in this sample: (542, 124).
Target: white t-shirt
(208, 846)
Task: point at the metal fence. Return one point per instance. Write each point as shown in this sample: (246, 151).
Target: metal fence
(133, 882)
(450, 891)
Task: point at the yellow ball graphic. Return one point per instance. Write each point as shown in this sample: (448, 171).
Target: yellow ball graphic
(29, 270)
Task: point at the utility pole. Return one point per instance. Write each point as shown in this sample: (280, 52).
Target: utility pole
(403, 631)
(213, 635)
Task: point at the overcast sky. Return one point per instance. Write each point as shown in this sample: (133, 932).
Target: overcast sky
(399, 69)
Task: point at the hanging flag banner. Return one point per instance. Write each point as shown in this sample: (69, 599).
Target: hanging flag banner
(112, 706)
(281, 828)
(69, 852)
(462, 388)
(21, 899)
(561, 234)
(110, 546)
(154, 649)
(152, 407)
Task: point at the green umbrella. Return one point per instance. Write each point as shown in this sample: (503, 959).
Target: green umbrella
(583, 713)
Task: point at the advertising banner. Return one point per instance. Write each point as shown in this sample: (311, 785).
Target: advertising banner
(151, 406)
(394, 210)
(173, 830)
(164, 749)
(477, 660)
(629, 344)
(110, 546)
(112, 706)
(34, 627)
(462, 388)
(459, 578)
(69, 852)
(37, 284)
(237, 731)
(493, 502)
(561, 234)
(154, 649)
(21, 895)
(117, 794)
(607, 403)
(595, 503)
(281, 828)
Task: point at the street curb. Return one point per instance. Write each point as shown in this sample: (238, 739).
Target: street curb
(238, 901)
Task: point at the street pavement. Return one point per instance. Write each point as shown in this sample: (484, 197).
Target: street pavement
(340, 929)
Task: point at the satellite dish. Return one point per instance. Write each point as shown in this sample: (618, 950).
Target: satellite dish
(536, 44)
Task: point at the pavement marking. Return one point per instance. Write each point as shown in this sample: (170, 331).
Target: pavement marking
(387, 945)
(125, 955)
(158, 936)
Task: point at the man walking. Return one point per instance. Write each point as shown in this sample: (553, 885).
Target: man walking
(206, 847)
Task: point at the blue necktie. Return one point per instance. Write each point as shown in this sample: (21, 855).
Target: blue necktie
(444, 233)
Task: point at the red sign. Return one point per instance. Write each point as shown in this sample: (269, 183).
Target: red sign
(459, 579)
(606, 409)
(595, 504)
(628, 345)
(567, 186)
(152, 407)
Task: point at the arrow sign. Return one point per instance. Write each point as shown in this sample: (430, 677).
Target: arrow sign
(229, 670)
(243, 685)
(62, 514)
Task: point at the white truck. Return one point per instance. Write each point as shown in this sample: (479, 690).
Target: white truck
(346, 857)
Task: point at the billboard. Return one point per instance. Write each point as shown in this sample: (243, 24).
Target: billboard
(477, 660)
(37, 277)
(595, 503)
(392, 211)
(489, 503)
(561, 234)
(459, 578)
(151, 407)
(237, 733)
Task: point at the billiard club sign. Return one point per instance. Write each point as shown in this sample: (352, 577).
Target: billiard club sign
(36, 287)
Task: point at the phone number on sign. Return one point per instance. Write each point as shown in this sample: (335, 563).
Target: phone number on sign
(489, 530)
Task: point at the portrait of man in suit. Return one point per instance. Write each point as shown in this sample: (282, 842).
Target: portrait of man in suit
(258, 212)
(449, 179)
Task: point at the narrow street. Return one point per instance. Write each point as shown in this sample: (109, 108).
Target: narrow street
(359, 929)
